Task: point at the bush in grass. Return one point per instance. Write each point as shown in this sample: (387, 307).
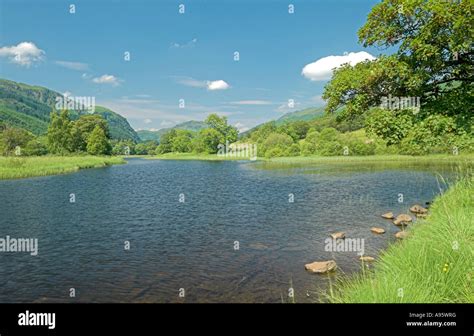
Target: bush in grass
(358, 147)
(293, 150)
(277, 141)
(309, 145)
(35, 148)
(435, 134)
(391, 126)
(274, 152)
(328, 143)
(11, 138)
(330, 148)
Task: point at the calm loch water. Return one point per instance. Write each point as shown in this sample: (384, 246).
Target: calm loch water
(235, 238)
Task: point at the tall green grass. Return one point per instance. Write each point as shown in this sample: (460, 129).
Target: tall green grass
(435, 264)
(22, 167)
(434, 158)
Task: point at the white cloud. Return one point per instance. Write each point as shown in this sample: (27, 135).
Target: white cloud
(287, 107)
(217, 85)
(210, 85)
(188, 44)
(107, 79)
(147, 121)
(322, 68)
(241, 127)
(189, 81)
(166, 123)
(251, 102)
(73, 65)
(23, 54)
(67, 94)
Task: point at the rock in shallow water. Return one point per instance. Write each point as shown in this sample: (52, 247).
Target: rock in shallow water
(338, 235)
(377, 230)
(418, 209)
(321, 266)
(401, 235)
(388, 215)
(367, 258)
(402, 219)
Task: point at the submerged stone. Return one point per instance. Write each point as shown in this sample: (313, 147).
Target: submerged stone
(321, 266)
(418, 209)
(338, 235)
(402, 219)
(388, 215)
(377, 230)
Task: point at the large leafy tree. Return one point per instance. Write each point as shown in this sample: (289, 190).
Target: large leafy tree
(434, 59)
(97, 143)
(11, 138)
(59, 133)
(229, 133)
(166, 142)
(208, 141)
(83, 127)
(182, 141)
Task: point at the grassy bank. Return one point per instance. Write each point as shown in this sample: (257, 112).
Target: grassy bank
(21, 167)
(320, 159)
(433, 265)
(374, 158)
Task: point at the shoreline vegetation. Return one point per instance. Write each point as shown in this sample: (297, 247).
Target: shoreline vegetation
(433, 264)
(34, 166)
(447, 158)
(12, 167)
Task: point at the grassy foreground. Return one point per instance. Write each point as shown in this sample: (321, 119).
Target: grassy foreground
(21, 167)
(433, 265)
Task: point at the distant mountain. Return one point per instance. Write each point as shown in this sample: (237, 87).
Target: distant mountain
(191, 125)
(28, 107)
(146, 135)
(119, 127)
(305, 115)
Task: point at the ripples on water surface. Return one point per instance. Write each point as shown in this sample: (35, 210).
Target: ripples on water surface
(191, 245)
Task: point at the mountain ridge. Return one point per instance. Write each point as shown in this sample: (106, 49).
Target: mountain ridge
(191, 125)
(29, 107)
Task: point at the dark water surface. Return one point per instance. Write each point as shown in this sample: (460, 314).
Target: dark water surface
(190, 245)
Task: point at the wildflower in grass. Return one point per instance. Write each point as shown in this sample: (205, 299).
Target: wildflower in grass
(446, 268)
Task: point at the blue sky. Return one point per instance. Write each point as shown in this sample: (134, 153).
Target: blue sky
(186, 56)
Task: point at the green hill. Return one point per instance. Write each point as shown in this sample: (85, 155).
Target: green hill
(119, 127)
(191, 125)
(146, 135)
(28, 107)
(306, 115)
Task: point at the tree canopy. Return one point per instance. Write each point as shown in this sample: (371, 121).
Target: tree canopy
(434, 59)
